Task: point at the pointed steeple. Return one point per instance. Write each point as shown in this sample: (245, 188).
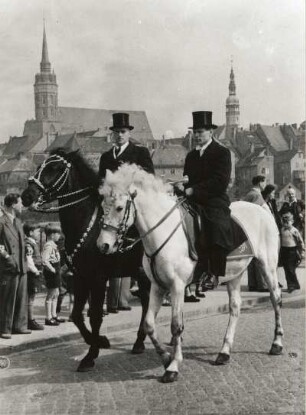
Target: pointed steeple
(45, 88)
(232, 85)
(45, 65)
(232, 107)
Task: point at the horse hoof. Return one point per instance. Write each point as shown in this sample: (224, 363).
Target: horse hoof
(222, 359)
(276, 350)
(169, 377)
(138, 348)
(166, 360)
(104, 342)
(86, 366)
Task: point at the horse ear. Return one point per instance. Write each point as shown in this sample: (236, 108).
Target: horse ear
(133, 191)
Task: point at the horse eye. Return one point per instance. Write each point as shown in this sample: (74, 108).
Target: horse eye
(119, 208)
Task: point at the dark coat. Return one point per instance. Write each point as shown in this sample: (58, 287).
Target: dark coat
(297, 208)
(12, 237)
(132, 155)
(273, 208)
(209, 176)
(13, 277)
(126, 264)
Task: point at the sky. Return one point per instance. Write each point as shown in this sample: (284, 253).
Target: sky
(166, 57)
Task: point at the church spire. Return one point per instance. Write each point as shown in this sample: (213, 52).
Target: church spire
(232, 107)
(45, 88)
(232, 85)
(45, 65)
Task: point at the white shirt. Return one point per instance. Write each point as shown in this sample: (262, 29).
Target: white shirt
(122, 148)
(203, 148)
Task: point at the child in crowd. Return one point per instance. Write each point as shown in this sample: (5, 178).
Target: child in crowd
(51, 270)
(292, 247)
(33, 259)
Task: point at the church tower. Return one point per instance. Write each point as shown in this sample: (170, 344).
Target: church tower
(45, 88)
(232, 108)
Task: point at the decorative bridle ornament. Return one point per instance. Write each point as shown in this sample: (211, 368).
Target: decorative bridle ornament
(51, 193)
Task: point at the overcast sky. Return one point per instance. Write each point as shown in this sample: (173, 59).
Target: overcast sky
(167, 57)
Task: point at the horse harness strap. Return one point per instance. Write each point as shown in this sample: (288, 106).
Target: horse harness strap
(180, 202)
(78, 246)
(152, 257)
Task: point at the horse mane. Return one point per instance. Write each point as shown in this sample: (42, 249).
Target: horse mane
(128, 174)
(88, 174)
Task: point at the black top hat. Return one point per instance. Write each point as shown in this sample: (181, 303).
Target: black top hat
(121, 120)
(202, 119)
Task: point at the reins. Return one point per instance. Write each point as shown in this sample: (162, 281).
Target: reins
(52, 192)
(55, 187)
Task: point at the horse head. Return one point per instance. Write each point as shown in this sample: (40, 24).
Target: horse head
(49, 180)
(119, 214)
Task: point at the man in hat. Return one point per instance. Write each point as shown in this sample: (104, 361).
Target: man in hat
(208, 168)
(123, 150)
(127, 264)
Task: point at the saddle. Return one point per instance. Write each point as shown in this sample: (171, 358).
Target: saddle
(192, 227)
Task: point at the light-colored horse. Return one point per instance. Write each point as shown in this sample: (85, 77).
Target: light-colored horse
(132, 196)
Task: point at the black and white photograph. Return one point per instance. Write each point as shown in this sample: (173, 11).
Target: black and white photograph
(152, 207)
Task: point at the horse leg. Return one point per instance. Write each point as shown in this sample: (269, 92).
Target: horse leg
(156, 299)
(270, 276)
(81, 293)
(97, 294)
(233, 289)
(144, 291)
(177, 327)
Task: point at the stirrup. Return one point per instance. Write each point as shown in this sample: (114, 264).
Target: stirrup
(210, 282)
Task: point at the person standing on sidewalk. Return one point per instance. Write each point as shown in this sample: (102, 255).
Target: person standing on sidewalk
(13, 275)
(292, 250)
(51, 270)
(124, 265)
(33, 258)
(256, 281)
(297, 208)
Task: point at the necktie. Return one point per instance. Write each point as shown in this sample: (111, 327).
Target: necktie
(117, 151)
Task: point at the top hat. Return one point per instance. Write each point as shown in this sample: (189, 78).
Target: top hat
(202, 119)
(121, 120)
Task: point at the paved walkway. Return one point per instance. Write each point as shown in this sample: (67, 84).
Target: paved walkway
(215, 302)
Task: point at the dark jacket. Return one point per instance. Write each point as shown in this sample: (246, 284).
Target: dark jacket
(126, 264)
(297, 208)
(132, 155)
(209, 176)
(12, 237)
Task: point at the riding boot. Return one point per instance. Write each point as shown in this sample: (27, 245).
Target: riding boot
(198, 290)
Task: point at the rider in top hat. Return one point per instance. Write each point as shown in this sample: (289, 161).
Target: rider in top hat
(208, 168)
(123, 150)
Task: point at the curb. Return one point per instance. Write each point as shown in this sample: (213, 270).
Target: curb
(131, 326)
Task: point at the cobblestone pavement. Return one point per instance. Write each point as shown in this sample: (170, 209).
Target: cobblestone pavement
(45, 381)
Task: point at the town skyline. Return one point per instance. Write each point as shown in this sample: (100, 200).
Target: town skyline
(167, 39)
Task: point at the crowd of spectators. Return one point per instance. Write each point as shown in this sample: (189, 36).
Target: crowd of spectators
(24, 261)
(290, 221)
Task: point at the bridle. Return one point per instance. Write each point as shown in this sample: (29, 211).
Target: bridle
(52, 192)
(121, 230)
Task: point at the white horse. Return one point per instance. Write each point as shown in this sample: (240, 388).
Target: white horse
(132, 196)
